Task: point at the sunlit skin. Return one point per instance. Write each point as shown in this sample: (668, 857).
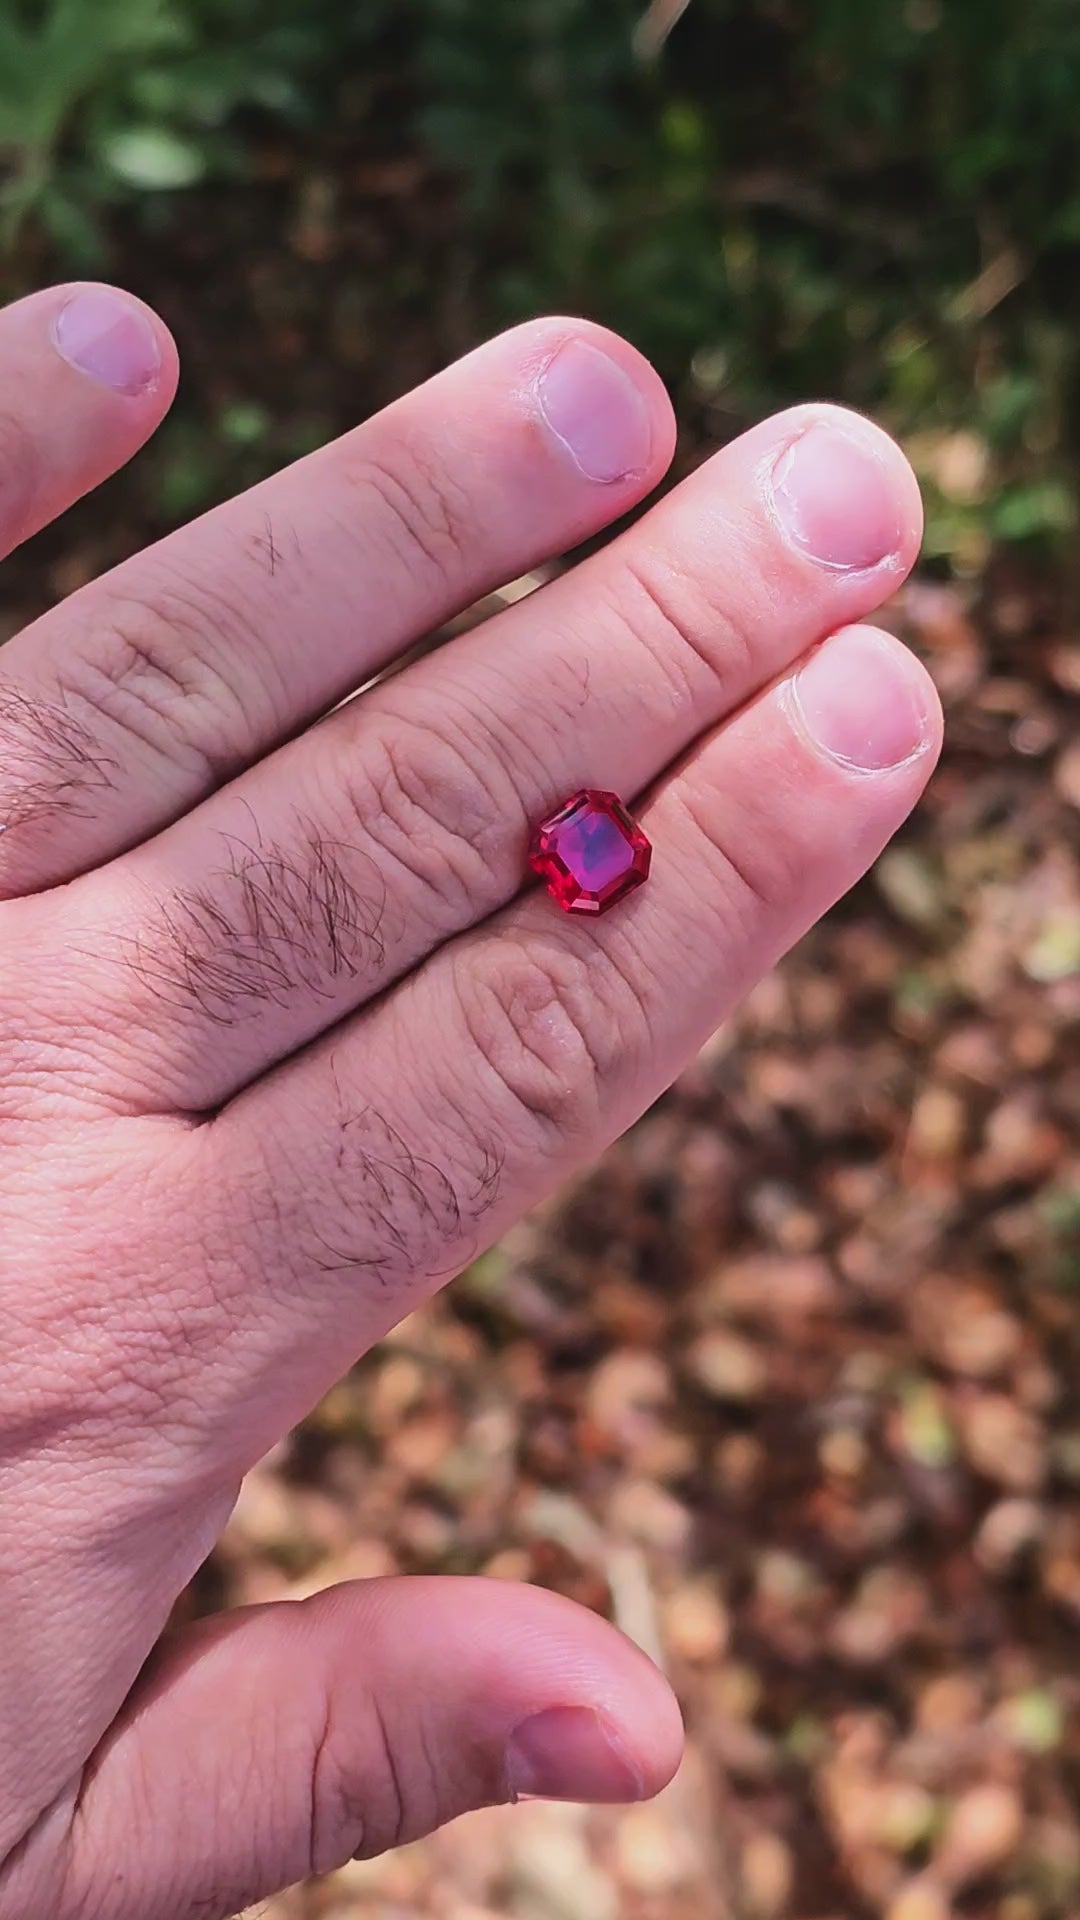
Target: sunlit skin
(289, 1033)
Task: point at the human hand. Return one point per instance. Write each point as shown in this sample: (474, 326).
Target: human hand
(285, 1040)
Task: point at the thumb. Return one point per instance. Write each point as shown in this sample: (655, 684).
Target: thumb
(270, 1744)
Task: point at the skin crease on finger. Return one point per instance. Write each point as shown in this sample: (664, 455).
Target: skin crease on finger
(179, 1284)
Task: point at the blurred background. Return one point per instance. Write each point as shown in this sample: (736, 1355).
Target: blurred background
(788, 1384)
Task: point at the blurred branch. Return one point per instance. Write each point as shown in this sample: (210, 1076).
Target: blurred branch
(656, 23)
(816, 208)
(1000, 277)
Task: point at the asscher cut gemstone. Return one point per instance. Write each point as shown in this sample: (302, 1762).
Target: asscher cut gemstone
(590, 853)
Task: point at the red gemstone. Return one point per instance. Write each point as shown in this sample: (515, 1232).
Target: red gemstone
(590, 853)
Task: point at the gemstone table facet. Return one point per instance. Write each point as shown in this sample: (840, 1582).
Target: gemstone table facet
(590, 853)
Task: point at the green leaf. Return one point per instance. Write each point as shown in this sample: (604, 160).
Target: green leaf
(244, 423)
(1025, 512)
(153, 159)
(1035, 1720)
(1054, 954)
(73, 226)
(925, 1426)
(16, 81)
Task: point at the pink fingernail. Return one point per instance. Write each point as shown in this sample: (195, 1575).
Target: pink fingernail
(110, 339)
(570, 1753)
(595, 412)
(861, 698)
(834, 499)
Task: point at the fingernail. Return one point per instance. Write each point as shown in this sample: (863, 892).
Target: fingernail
(860, 698)
(596, 413)
(833, 497)
(110, 339)
(570, 1753)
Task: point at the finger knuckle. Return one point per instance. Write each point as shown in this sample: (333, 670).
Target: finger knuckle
(434, 812)
(688, 621)
(423, 512)
(339, 1815)
(551, 1028)
(766, 862)
(361, 1803)
(151, 673)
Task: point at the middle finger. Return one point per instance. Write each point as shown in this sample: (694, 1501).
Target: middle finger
(333, 867)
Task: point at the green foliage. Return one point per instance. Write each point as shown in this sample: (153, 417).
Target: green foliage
(103, 99)
(51, 64)
(880, 204)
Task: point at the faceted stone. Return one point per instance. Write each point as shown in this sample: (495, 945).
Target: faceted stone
(590, 853)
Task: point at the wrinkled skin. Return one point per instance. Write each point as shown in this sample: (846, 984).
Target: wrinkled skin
(285, 1038)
